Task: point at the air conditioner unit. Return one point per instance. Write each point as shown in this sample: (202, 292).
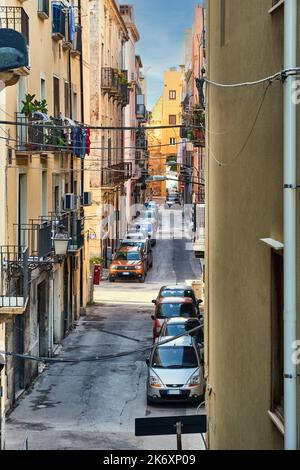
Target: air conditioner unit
(86, 198)
(69, 202)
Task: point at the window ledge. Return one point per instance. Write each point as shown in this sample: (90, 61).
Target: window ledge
(276, 6)
(277, 421)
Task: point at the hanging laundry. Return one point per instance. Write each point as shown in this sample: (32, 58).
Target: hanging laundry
(72, 27)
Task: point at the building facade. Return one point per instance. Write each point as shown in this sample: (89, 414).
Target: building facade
(244, 274)
(42, 173)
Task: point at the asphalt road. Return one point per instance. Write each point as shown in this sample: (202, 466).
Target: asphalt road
(93, 405)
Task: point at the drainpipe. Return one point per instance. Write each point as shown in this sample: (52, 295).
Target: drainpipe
(290, 186)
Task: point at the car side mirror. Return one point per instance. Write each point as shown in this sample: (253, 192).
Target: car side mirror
(152, 316)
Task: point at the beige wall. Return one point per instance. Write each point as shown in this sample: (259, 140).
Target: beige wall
(245, 205)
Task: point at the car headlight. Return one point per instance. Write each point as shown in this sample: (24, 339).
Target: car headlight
(114, 266)
(154, 381)
(194, 381)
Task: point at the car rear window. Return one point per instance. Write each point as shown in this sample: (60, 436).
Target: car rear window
(175, 310)
(178, 293)
(175, 357)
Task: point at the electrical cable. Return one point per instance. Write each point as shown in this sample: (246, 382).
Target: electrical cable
(282, 75)
(99, 358)
(225, 164)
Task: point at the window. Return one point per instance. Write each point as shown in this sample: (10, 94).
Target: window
(172, 94)
(172, 140)
(43, 89)
(67, 99)
(56, 104)
(172, 119)
(277, 335)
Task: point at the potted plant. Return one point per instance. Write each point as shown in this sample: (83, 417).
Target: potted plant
(30, 107)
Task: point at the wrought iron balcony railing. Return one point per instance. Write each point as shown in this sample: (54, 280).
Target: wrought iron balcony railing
(14, 278)
(15, 18)
(39, 133)
(116, 174)
(109, 81)
(37, 236)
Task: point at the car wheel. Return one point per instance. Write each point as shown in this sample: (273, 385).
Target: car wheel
(110, 279)
(142, 279)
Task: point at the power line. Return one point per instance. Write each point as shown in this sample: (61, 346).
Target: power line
(99, 358)
(282, 75)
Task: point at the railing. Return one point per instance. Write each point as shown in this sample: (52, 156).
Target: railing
(39, 133)
(109, 80)
(15, 18)
(141, 112)
(13, 276)
(116, 174)
(77, 235)
(43, 9)
(37, 236)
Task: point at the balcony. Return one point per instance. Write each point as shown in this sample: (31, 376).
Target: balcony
(76, 48)
(115, 175)
(39, 134)
(58, 21)
(37, 236)
(14, 280)
(43, 9)
(77, 235)
(15, 18)
(123, 92)
(109, 81)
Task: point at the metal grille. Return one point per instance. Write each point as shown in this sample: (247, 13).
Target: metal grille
(15, 18)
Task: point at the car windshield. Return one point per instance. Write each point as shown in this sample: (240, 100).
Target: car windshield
(181, 328)
(175, 357)
(177, 293)
(127, 256)
(175, 310)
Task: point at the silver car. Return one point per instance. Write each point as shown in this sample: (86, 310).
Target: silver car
(175, 372)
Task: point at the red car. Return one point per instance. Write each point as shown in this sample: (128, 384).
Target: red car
(170, 307)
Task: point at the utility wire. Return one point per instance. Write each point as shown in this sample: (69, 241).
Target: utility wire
(282, 75)
(99, 358)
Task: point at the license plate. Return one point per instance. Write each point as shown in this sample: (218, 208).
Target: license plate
(126, 274)
(173, 392)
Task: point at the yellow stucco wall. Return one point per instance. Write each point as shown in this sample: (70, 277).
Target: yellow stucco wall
(244, 205)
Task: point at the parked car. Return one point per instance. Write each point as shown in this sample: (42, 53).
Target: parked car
(178, 326)
(142, 244)
(128, 262)
(178, 290)
(137, 235)
(172, 200)
(170, 307)
(176, 372)
(144, 225)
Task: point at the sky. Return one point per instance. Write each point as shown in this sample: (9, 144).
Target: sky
(161, 24)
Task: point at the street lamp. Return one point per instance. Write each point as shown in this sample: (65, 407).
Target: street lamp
(61, 241)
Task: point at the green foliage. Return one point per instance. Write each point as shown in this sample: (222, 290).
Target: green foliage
(31, 105)
(97, 260)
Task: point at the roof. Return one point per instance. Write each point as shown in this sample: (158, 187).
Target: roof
(176, 300)
(180, 320)
(177, 286)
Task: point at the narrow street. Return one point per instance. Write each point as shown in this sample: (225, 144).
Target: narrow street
(93, 405)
